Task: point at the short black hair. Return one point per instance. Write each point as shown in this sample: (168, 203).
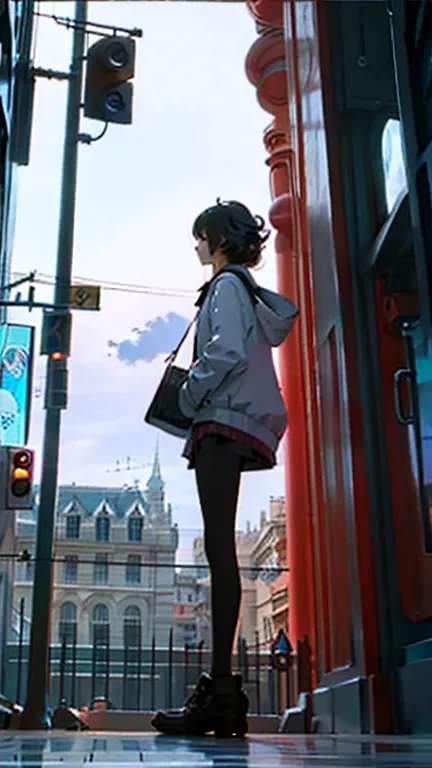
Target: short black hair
(230, 226)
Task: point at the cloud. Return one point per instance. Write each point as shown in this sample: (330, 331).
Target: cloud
(158, 337)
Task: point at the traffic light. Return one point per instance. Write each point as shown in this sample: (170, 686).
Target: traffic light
(108, 94)
(20, 479)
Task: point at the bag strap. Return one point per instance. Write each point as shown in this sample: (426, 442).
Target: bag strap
(172, 356)
(253, 290)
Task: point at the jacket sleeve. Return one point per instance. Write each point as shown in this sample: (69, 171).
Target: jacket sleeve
(224, 352)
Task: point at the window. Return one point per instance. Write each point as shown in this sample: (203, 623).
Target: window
(421, 430)
(100, 624)
(73, 524)
(135, 526)
(29, 570)
(393, 162)
(70, 569)
(133, 569)
(132, 626)
(100, 569)
(189, 598)
(268, 628)
(68, 622)
(190, 635)
(103, 527)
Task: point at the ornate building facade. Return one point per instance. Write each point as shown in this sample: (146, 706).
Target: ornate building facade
(264, 578)
(114, 569)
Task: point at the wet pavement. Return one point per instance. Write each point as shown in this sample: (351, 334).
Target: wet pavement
(70, 750)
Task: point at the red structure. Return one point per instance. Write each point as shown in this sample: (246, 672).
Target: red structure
(266, 68)
(360, 581)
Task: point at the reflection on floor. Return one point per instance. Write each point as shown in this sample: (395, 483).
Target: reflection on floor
(66, 750)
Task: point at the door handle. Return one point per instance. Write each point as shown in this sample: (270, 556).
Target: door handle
(402, 373)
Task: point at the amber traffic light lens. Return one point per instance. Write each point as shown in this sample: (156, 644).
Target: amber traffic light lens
(21, 482)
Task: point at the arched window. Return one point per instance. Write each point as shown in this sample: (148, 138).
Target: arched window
(132, 626)
(100, 624)
(68, 622)
(100, 614)
(393, 162)
(135, 527)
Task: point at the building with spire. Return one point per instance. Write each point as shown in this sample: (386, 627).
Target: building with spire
(155, 495)
(114, 570)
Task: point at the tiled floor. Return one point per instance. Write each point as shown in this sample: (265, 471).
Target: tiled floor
(65, 750)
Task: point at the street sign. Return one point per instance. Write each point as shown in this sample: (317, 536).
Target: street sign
(85, 297)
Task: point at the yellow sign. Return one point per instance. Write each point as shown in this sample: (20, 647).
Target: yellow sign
(85, 297)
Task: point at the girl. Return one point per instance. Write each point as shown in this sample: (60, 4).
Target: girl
(233, 397)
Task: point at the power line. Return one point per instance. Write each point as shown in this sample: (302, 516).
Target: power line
(108, 285)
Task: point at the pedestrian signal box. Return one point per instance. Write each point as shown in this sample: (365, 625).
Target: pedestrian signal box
(56, 334)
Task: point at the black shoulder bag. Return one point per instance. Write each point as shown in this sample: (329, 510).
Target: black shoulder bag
(164, 411)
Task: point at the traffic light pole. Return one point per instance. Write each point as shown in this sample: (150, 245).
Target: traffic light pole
(36, 715)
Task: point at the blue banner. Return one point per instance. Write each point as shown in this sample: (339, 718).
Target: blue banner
(16, 373)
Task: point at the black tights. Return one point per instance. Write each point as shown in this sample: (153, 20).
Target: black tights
(217, 469)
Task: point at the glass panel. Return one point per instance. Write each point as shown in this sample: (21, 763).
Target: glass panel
(393, 162)
(100, 569)
(67, 623)
(70, 569)
(68, 612)
(100, 613)
(102, 528)
(29, 571)
(421, 437)
(133, 569)
(73, 523)
(135, 525)
(67, 629)
(132, 626)
(100, 633)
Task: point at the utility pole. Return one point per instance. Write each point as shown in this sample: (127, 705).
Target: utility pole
(35, 715)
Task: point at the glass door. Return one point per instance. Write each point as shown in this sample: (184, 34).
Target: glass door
(418, 419)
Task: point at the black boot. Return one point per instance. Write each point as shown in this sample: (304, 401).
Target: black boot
(218, 705)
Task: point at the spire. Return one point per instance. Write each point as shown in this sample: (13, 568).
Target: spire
(155, 482)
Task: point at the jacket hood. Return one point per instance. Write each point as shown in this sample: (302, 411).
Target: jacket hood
(276, 314)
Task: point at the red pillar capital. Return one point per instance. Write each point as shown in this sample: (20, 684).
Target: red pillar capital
(267, 13)
(266, 70)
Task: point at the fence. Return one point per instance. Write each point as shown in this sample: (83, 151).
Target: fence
(138, 678)
(133, 632)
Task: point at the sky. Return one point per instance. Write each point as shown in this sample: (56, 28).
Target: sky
(196, 135)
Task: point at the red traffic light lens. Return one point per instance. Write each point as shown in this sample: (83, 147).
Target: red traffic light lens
(23, 459)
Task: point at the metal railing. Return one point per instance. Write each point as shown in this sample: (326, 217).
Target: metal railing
(139, 678)
(133, 658)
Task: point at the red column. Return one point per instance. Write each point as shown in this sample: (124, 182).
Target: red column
(283, 216)
(266, 69)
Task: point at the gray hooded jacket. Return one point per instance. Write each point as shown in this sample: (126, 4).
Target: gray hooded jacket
(233, 381)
